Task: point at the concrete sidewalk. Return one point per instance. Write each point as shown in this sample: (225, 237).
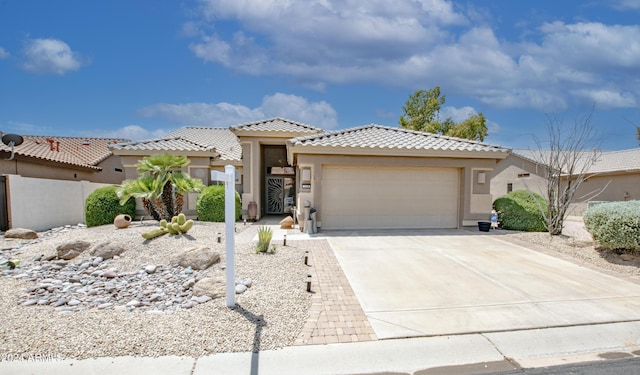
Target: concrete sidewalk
(466, 354)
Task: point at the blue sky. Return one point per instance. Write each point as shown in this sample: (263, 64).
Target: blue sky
(141, 68)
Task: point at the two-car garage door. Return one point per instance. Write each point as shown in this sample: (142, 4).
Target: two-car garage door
(387, 198)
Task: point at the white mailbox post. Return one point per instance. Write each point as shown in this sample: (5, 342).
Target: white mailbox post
(229, 178)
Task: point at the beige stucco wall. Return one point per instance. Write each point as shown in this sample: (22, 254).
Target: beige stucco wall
(617, 187)
(468, 169)
(42, 204)
(27, 168)
(507, 171)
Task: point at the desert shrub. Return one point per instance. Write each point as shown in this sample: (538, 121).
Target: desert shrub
(210, 204)
(102, 206)
(520, 210)
(615, 225)
(264, 239)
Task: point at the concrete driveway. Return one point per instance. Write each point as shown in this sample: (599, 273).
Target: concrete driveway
(437, 282)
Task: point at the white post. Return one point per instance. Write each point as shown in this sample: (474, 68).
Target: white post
(230, 220)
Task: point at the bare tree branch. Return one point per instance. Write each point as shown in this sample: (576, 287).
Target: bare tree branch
(567, 154)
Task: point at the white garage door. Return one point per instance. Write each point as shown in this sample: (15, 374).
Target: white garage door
(388, 198)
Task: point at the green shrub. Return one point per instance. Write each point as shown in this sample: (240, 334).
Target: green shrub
(264, 239)
(210, 204)
(615, 225)
(102, 206)
(520, 210)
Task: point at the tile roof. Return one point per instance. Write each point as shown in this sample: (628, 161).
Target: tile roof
(383, 137)
(277, 125)
(606, 162)
(217, 141)
(223, 140)
(617, 161)
(77, 151)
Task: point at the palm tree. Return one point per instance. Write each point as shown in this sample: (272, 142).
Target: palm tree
(147, 189)
(161, 185)
(183, 184)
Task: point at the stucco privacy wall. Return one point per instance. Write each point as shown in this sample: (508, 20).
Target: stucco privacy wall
(467, 169)
(42, 204)
(617, 187)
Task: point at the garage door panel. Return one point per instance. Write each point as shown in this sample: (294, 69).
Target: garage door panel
(366, 197)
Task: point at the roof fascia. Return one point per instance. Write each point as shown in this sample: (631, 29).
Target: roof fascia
(319, 150)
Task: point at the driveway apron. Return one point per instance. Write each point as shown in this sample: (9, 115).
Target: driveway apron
(439, 282)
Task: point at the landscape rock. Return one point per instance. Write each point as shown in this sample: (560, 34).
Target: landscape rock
(150, 268)
(630, 258)
(286, 223)
(72, 249)
(22, 233)
(197, 257)
(107, 250)
(209, 286)
(241, 288)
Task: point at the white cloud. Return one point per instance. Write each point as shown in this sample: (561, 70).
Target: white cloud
(223, 114)
(604, 98)
(50, 56)
(297, 108)
(420, 44)
(456, 114)
(626, 4)
(4, 54)
(132, 132)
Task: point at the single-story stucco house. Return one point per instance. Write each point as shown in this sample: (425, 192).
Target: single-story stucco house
(368, 177)
(613, 176)
(63, 158)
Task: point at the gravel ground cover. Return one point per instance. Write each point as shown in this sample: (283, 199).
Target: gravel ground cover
(269, 315)
(581, 250)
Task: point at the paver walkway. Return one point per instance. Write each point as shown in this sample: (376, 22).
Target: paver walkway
(335, 314)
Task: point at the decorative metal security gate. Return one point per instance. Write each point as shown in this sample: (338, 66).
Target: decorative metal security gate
(275, 195)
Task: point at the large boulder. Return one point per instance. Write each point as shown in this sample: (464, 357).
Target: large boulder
(72, 249)
(22, 233)
(210, 286)
(107, 250)
(197, 257)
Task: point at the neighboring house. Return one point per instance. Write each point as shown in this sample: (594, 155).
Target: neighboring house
(614, 176)
(362, 178)
(64, 158)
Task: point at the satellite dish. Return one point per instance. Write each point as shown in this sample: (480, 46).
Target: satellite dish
(12, 140)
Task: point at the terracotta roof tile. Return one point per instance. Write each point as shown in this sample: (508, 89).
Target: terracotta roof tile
(382, 137)
(77, 151)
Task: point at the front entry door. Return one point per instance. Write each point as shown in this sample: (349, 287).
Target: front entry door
(280, 195)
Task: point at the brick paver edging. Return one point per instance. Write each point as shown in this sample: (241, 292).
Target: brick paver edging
(335, 314)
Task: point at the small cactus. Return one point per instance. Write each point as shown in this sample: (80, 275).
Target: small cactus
(181, 219)
(153, 233)
(178, 225)
(184, 228)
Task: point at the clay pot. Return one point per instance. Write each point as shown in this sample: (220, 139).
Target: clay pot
(253, 210)
(122, 221)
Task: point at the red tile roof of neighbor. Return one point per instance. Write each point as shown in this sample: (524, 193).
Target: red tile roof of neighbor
(75, 151)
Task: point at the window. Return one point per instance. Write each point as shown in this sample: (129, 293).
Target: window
(521, 175)
(509, 187)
